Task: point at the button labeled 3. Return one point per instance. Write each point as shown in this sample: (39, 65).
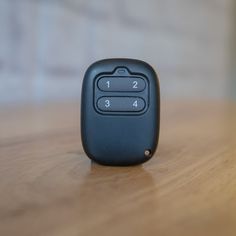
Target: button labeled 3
(121, 104)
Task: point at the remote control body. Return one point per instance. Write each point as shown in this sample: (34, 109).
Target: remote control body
(120, 112)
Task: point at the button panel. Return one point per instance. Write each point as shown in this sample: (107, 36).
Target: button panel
(121, 104)
(121, 84)
(121, 92)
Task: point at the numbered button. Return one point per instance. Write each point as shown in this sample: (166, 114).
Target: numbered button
(121, 84)
(121, 104)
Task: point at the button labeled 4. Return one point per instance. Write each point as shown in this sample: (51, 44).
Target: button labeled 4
(121, 104)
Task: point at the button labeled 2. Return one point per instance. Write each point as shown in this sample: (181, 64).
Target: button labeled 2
(121, 104)
(121, 84)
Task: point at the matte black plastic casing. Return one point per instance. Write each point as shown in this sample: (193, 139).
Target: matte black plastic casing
(119, 139)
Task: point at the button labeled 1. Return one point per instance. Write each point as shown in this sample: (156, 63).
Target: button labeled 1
(121, 84)
(121, 104)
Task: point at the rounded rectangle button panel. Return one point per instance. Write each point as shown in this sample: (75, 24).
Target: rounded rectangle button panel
(121, 104)
(121, 84)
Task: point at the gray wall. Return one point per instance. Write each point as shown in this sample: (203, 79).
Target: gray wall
(45, 46)
(233, 58)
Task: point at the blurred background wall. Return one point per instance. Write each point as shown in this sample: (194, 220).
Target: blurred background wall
(46, 45)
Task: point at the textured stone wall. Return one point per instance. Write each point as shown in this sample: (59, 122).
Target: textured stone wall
(45, 46)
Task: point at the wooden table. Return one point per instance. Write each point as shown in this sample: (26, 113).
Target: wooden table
(49, 187)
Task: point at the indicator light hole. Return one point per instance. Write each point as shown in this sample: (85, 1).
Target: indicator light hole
(147, 153)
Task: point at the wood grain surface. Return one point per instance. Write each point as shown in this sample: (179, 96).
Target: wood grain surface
(49, 187)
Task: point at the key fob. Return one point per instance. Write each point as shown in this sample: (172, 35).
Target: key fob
(120, 112)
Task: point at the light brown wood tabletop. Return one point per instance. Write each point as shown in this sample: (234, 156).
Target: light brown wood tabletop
(49, 187)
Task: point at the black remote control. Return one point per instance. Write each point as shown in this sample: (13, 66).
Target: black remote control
(120, 112)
